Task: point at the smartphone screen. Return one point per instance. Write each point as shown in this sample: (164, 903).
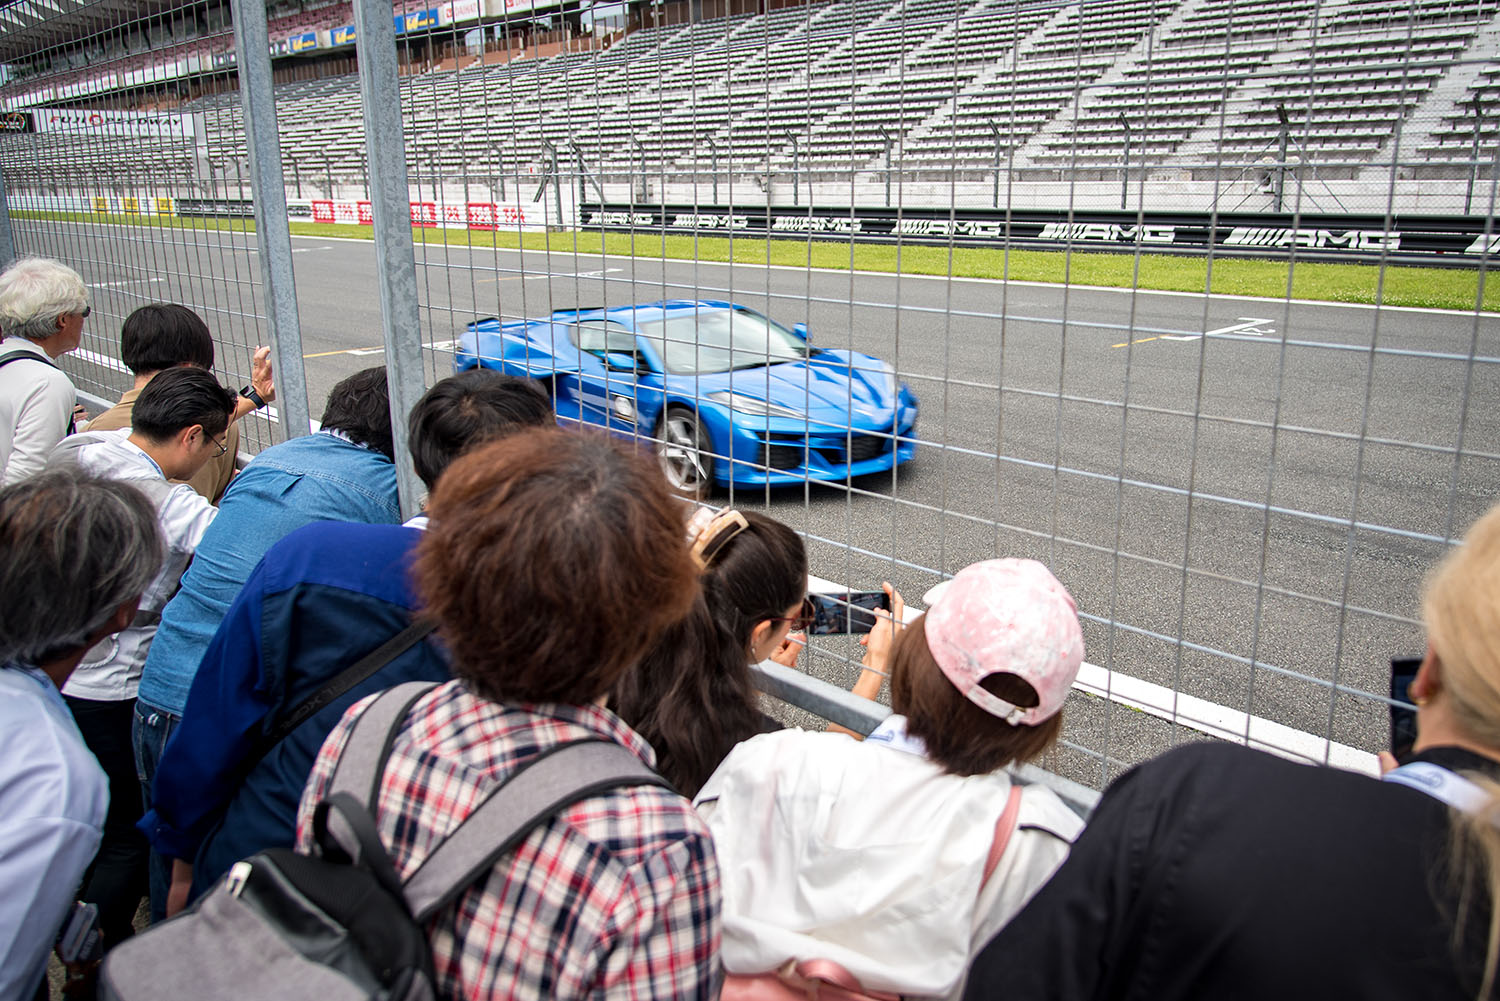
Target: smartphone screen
(845, 612)
(1403, 717)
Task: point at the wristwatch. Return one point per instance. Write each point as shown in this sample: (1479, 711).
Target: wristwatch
(250, 394)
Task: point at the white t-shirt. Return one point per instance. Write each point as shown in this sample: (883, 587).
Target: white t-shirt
(111, 670)
(871, 856)
(53, 796)
(36, 409)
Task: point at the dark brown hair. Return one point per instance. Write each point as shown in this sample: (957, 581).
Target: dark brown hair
(691, 696)
(553, 561)
(959, 735)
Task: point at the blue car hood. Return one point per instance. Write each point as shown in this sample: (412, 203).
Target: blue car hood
(833, 386)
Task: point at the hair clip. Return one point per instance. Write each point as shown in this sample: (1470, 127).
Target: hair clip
(716, 535)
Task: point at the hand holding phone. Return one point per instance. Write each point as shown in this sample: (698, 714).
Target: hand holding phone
(844, 611)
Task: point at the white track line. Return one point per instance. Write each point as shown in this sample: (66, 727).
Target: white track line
(905, 276)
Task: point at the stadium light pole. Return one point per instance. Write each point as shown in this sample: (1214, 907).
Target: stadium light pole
(995, 194)
(885, 137)
(713, 163)
(1125, 170)
(1474, 151)
(642, 151)
(796, 169)
(499, 171)
(1281, 142)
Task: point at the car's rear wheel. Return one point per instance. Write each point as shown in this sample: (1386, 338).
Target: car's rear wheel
(683, 449)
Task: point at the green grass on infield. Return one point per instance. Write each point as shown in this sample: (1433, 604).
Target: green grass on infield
(1434, 288)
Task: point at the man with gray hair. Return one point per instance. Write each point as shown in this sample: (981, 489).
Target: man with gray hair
(42, 308)
(78, 553)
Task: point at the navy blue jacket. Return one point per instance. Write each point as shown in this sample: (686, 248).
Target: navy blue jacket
(320, 599)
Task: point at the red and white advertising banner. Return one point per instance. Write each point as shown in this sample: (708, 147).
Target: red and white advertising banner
(459, 10)
(472, 215)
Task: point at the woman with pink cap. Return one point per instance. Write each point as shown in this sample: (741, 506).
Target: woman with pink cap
(877, 869)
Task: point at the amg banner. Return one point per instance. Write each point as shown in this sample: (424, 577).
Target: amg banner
(1456, 240)
(215, 207)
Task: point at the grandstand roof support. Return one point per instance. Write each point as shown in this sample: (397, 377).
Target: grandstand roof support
(390, 206)
(273, 233)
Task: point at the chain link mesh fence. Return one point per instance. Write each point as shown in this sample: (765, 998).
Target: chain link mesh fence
(1243, 489)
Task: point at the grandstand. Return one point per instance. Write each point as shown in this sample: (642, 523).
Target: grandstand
(837, 88)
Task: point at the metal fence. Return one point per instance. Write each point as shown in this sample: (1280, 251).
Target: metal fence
(1243, 489)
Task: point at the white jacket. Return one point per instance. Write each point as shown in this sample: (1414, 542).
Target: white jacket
(111, 670)
(870, 856)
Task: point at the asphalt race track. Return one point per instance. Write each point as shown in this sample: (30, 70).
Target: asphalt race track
(1306, 415)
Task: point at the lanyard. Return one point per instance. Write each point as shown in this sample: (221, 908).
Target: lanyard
(1441, 784)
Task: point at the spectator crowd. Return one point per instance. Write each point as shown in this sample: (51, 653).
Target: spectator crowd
(208, 672)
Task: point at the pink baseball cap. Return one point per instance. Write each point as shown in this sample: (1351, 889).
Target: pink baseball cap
(1006, 617)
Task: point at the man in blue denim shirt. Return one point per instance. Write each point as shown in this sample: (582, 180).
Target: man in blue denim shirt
(345, 472)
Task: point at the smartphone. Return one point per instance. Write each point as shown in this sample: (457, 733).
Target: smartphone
(845, 611)
(79, 941)
(1404, 716)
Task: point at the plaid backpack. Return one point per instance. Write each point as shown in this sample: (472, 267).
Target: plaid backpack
(342, 925)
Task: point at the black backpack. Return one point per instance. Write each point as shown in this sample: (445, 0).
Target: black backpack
(342, 925)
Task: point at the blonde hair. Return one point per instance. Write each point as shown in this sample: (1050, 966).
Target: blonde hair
(1461, 609)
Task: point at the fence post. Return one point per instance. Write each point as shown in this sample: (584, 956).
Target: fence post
(390, 206)
(7, 242)
(1125, 170)
(272, 229)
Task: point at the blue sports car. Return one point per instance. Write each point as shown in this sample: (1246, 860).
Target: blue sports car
(727, 395)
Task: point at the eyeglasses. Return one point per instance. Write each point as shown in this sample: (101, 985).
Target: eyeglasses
(223, 445)
(86, 311)
(802, 620)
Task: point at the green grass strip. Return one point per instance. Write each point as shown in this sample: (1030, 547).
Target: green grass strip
(1433, 288)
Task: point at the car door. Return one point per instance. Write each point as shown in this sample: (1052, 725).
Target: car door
(605, 389)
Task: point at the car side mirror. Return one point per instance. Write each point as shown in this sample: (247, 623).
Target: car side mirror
(800, 330)
(619, 361)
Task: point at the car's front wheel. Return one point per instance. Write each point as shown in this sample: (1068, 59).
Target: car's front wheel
(684, 451)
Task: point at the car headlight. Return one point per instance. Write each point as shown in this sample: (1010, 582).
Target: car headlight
(750, 405)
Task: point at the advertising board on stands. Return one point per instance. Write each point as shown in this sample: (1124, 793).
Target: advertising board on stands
(458, 11)
(521, 6)
(304, 42)
(17, 121)
(417, 20)
(114, 123)
(342, 36)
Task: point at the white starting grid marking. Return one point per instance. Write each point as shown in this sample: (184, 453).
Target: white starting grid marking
(1245, 326)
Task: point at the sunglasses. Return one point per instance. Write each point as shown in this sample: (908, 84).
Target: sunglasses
(86, 311)
(802, 620)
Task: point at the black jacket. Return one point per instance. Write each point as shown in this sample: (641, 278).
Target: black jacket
(1217, 872)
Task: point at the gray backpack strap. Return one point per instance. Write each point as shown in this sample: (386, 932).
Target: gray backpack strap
(562, 776)
(362, 763)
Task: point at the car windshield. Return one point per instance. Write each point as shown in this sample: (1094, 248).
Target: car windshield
(717, 340)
